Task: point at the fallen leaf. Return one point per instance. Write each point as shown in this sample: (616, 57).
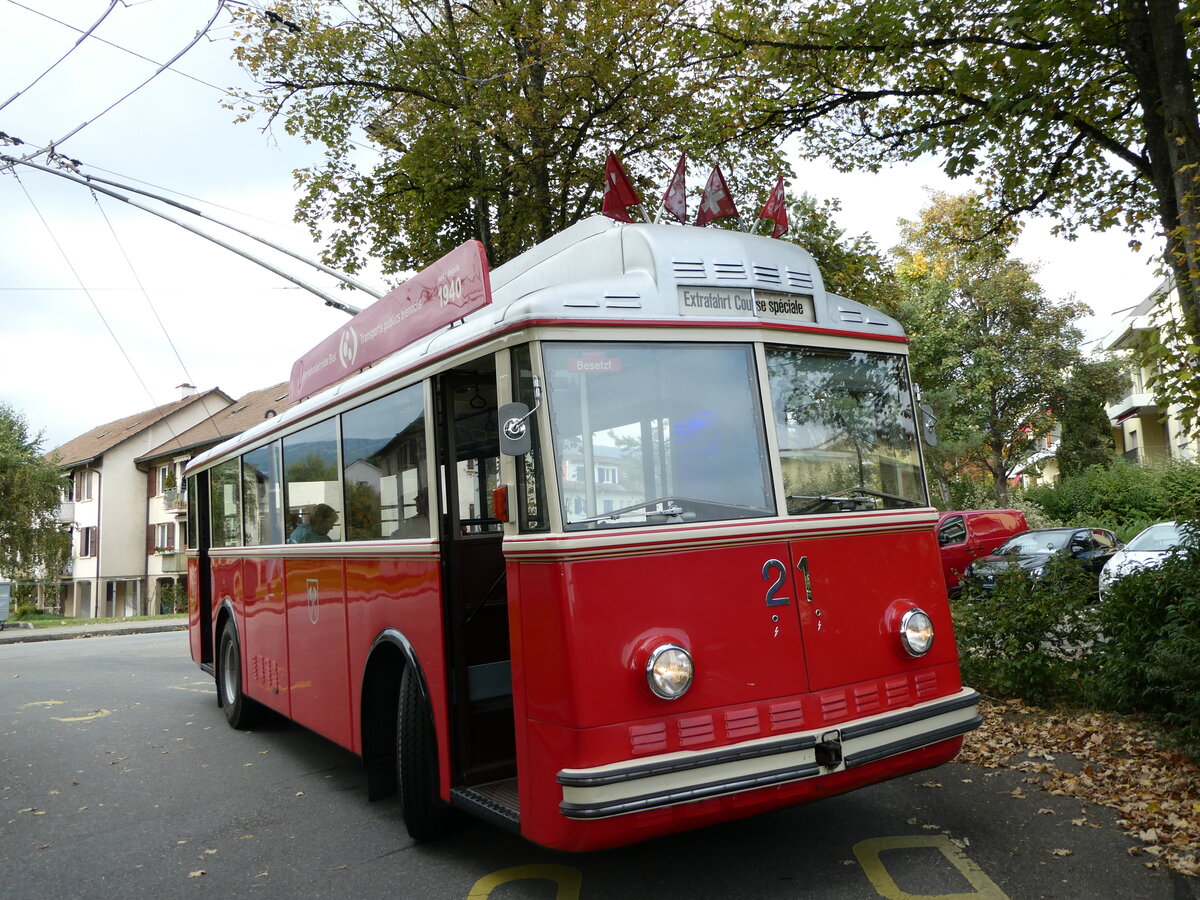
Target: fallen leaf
(197, 873)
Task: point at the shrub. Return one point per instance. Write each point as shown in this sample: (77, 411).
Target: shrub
(1149, 660)
(1028, 636)
(1114, 494)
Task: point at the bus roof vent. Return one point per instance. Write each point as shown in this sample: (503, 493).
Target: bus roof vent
(688, 269)
(769, 274)
(623, 301)
(802, 280)
(730, 271)
(850, 315)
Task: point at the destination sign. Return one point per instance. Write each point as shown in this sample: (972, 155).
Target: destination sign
(455, 285)
(745, 303)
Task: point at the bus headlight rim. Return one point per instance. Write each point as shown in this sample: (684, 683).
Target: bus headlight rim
(669, 671)
(916, 632)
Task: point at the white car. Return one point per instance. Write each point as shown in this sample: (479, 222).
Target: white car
(1149, 548)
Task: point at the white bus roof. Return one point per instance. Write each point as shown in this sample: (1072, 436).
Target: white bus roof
(602, 270)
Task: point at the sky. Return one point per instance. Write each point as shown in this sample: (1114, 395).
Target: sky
(105, 309)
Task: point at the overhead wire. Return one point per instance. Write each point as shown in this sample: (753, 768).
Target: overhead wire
(49, 148)
(99, 312)
(85, 35)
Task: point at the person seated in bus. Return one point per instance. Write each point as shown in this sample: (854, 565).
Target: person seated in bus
(416, 525)
(320, 518)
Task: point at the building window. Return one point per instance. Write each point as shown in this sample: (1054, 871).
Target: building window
(83, 485)
(164, 536)
(87, 541)
(606, 474)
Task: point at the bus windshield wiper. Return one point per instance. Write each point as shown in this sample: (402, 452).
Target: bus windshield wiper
(674, 511)
(847, 496)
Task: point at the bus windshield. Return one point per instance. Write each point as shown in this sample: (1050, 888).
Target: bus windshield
(847, 432)
(657, 433)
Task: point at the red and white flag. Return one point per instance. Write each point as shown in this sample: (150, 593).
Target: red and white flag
(675, 199)
(776, 208)
(619, 194)
(715, 203)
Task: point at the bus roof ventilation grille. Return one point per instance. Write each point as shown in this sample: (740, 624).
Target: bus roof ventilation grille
(623, 301)
(850, 315)
(802, 280)
(688, 269)
(730, 271)
(768, 274)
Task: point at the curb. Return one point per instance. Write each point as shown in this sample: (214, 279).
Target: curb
(24, 635)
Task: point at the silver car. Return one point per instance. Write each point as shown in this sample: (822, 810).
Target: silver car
(1149, 548)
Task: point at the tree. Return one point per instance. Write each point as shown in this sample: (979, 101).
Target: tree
(1082, 111)
(988, 348)
(33, 546)
(488, 120)
(1087, 438)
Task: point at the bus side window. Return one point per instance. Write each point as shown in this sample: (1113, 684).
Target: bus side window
(530, 500)
(225, 502)
(314, 488)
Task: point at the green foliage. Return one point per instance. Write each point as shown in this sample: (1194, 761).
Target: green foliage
(989, 350)
(1028, 636)
(1079, 407)
(487, 120)
(33, 547)
(1150, 658)
(172, 598)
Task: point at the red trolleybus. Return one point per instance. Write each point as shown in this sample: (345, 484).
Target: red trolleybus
(627, 536)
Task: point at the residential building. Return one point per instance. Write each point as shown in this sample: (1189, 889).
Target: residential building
(1145, 432)
(104, 504)
(165, 522)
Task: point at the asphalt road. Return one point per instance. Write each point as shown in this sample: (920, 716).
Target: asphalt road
(120, 778)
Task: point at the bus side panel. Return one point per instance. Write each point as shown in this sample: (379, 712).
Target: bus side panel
(405, 595)
(854, 579)
(589, 626)
(265, 634)
(318, 678)
(227, 585)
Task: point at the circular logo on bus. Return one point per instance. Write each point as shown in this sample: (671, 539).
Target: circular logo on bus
(348, 348)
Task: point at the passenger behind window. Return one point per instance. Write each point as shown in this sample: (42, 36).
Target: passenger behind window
(320, 518)
(416, 525)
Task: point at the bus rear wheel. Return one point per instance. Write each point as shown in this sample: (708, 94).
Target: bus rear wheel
(426, 817)
(240, 711)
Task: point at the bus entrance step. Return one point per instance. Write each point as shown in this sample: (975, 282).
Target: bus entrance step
(497, 802)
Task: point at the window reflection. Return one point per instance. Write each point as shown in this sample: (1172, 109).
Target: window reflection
(383, 449)
(653, 433)
(262, 493)
(310, 462)
(846, 426)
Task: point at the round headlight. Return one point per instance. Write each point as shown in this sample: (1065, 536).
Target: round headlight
(669, 671)
(916, 632)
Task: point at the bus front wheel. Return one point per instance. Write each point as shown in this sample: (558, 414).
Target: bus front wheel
(240, 711)
(426, 817)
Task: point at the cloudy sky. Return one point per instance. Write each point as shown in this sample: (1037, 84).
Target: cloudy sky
(105, 309)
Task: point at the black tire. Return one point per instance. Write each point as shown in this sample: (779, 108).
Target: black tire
(240, 711)
(426, 817)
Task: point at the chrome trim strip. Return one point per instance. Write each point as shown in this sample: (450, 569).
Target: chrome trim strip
(685, 776)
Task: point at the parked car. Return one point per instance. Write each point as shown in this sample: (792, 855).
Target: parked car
(966, 534)
(1032, 550)
(1149, 548)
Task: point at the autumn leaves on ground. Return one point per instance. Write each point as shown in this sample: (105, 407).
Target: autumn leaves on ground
(1113, 762)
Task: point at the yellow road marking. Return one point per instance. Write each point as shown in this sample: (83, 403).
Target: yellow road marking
(195, 687)
(43, 703)
(868, 857)
(98, 714)
(569, 880)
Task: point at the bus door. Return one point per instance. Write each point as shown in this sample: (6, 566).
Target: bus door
(474, 590)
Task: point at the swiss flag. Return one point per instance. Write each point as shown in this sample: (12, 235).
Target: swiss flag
(675, 199)
(619, 194)
(776, 208)
(715, 203)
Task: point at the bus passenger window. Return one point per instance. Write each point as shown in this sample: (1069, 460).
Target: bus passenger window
(262, 496)
(311, 471)
(225, 501)
(383, 450)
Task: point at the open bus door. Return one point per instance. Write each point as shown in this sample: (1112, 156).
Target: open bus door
(479, 672)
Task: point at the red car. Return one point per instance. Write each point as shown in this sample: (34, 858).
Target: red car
(967, 534)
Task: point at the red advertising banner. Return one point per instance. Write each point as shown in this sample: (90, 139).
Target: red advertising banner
(455, 285)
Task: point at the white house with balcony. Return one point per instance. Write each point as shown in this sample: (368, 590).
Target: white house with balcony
(1145, 432)
(104, 504)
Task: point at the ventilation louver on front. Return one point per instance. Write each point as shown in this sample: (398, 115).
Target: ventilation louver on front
(691, 270)
(767, 274)
(800, 280)
(730, 271)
